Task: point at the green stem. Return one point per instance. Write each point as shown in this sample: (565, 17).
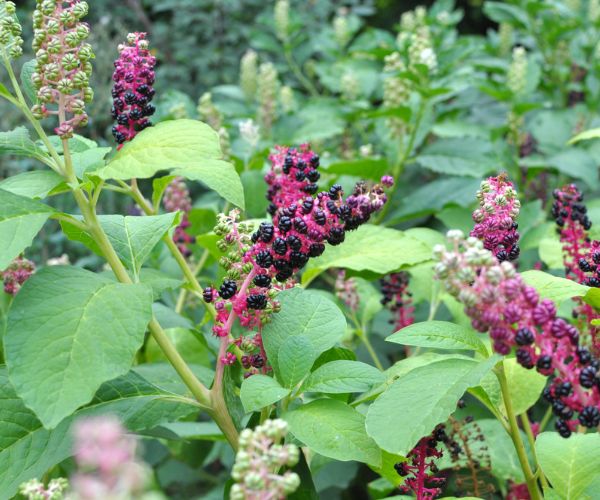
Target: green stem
(515, 435)
(365, 339)
(546, 418)
(287, 51)
(183, 292)
(531, 438)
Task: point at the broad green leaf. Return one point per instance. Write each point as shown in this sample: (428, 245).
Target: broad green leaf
(68, 331)
(158, 188)
(254, 184)
(342, 376)
(366, 168)
(188, 148)
(571, 465)
(34, 184)
(370, 248)
(164, 376)
(17, 142)
(525, 386)
(334, 430)
(27, 71)
(28, 450)
(503, 456)
(296, 356)
(89, 160)
(418, 401)
(21, 219)
(186, 431)
(159, 281)
(439, 335)
(192, 347)
(552, 287)
(305, 313)
(464, 156)
(259, 391)
(576, 163)
(133, 237)
(586, 136)
(501, 12)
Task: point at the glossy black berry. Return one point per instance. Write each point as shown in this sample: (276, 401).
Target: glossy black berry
(123, 119)
(264, 259)
(257, 301)
(228, 289)
(208, 294)
(589, 417)
(316, 249)
(257, 361)
(587, 377)
(544, 362)
(524, 336)
(280, 246)
(285, 224)
(284, 275)
(563, 389)
(294, 242)
(300, 225)
(313, 175)
(562, 428)
(401, 469)
(335, 191)
(584, 355)
(524, 358)
(336, 236)
(298, 259)
(262, 280)
(319, 217)
(266, 231)
(129, 97)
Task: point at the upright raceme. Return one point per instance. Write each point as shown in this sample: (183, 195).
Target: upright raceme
(496, 217)
(63, 63)
(177, 197)
(398, 299)
(11, 42)
(132, 90)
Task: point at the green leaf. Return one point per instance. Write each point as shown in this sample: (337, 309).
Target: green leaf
(158, 188)
(296, 356)
(188, 148)
(505, 13)
(575, 163)
(192, 347)
(89, 160)
(28, 450)
(27, 71)
(254, 183)
(571, 465)
(439, 335)
(343, 376)
(34, 184)
(334, 430)
(366, 168)
(159, 281)
(586, 136)
(421, 399)
(304, 313)
(17, 142)
(68, 331)
(466, 156)
(21, 219)
(4, 92)
(552, 287)
(259, 391)
(133, 237)
(370, 248)
(503, 456)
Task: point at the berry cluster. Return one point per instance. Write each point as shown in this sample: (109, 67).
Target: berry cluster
(420, 469)
(63, 66)
(293, 173)
(346, 290)
(132, 91)
(581, 255)
(177, 197)
(496, 218)
(500, 303)
(259, 460)
(259, 264)
(17, 273)
(398, 298)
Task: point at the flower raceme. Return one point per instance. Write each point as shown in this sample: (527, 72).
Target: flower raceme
(17, 273)
(499, 302)
(258, 264)
(495, 219)
(132, 90)
(63, 66)
(397, 298)
(177, 197)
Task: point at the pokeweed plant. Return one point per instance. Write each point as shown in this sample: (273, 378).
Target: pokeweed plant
(248, 342)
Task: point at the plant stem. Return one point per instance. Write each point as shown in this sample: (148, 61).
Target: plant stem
(289, 57)
(515, 435)
(365, 339)
(546, 418)
(531, 438)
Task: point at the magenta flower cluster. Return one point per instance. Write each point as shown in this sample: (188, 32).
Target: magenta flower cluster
(132, 90)
(259, 264)
(177, 197)
(63, 63)
(398, 298)
(17, 273)
(499, 302)
(495, 219)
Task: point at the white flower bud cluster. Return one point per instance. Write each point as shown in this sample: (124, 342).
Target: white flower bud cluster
(505, 38)
(249, 74)
(341, 29)
(35, 490)
(350, 86)
(287, 99)
(421, 50)
(258, 460)
(593, 10)
(250, 132)
(208, 111)
(268, 86)
(282, 19)
(517, 72)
